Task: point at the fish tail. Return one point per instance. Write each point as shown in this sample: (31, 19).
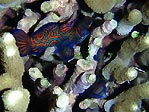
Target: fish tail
(22, 41)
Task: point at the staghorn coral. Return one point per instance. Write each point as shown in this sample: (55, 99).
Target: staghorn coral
(35, 73)
(119, 3)
(98, 37)
(63, 101)
(51, 17)
(142, 58)
(81, 66)
(83, 83)
(64, 8)
(141, 92)
(135, 17)
(10, 1)
(12, 77)
(100, 6)
(52, 71)
(13, 97)
(15, 4)
(28, 20)
(126, 24)
(118, 68)
(59, 73)
(13, 64)
(145, 13)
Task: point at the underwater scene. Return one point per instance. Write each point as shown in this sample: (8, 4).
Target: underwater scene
(74, 55)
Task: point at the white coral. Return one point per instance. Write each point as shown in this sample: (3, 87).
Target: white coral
(35, 73)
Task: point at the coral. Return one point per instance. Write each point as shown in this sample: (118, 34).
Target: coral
(141, 92)
(15, 4)
(64, 8)
(119, 3)
(28, 21)
(35, 73)
(49, 6)
(83, 83)
(9, 1)
(100, 52)
(77, 53)
(118, 68)
(5, 14)
(81, 66)
(51, 17)
(59, 73)
(126, 24)
(12, 77)
(13, 97)
(108, 16)
(63, 101)
(100, 6)
(44, 83)
(85, 103)
(145, 13)
(142, 58)
(97, 39)
(92, 104)
(135, 17)
(13, 64)
(60, 70)
(134, 34)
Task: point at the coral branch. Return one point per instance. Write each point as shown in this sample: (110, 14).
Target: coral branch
(13, 64)
(141, 92)
(118, 67)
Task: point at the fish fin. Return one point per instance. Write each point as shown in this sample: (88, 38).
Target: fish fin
(66, 27)
(83, 33)
(46, 28)
(22, 41)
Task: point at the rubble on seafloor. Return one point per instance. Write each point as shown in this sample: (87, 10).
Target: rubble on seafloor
(74, 55)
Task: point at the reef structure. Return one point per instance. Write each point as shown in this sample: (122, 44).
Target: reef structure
(11, 79)
(97, 61)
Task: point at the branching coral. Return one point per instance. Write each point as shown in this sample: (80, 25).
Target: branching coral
(127, 23)
(128, 101)
(28, 20)
(142, 58)
(12, 78)
(13, 64)
(15, 4)
(145, 13)
(83, 75)
(118, 68)
(35, 73)
(100, 6)
(97, 37)
(64, 8)
(10, 1)
(135, 17)
(82, 66)
(12, 99)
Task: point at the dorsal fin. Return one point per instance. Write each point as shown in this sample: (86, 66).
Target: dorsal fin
(46, 27)
(66, 27)
(70, 23)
